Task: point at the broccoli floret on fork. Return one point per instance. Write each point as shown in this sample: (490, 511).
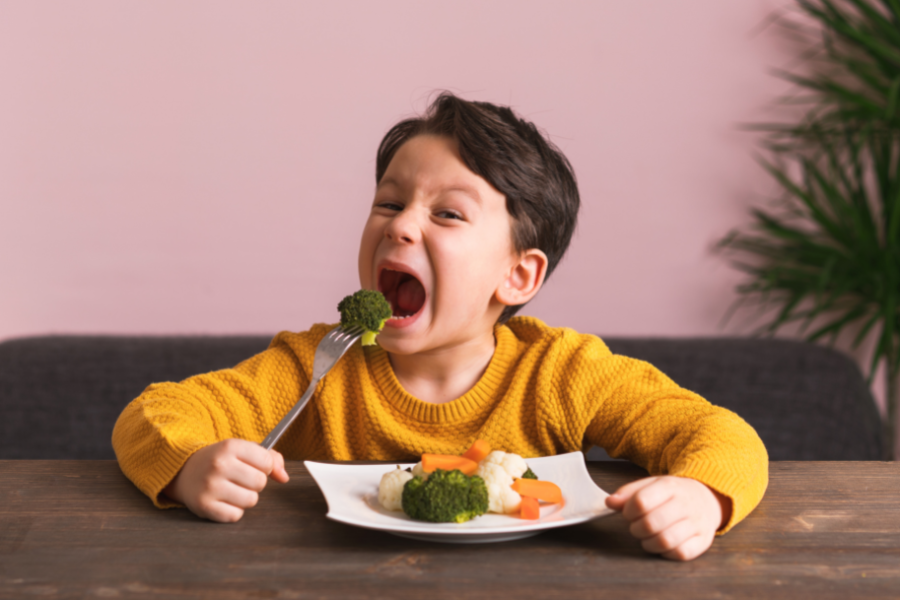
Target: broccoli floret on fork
(368, 309)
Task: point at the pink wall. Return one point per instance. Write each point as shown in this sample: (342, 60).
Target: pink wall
(207, 166)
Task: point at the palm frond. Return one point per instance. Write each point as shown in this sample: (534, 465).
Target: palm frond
(827, 257)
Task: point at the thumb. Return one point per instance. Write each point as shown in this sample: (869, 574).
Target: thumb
(617, 499)
(278, 472)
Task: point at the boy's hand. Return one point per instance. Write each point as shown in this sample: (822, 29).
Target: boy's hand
(674, 516)
(219, 481)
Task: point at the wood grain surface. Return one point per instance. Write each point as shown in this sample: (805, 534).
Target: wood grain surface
(80, 529)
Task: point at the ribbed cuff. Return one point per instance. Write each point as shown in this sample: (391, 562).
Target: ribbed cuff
(170, 462)
(744, 492)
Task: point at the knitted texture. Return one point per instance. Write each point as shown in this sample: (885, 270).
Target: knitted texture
(546, 391)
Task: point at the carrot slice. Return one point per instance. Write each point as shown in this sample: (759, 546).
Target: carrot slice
(448, 462)
(538, 488)
(530, 508)
(478, 451)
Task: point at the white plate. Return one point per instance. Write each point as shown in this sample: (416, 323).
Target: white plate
(352, 495)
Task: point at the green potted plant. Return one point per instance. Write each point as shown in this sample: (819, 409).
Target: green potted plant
(829, 256)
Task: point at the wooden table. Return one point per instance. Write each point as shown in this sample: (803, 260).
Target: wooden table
(79, 529)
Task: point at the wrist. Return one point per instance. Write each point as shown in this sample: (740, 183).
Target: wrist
(724, 506)
(171, 491)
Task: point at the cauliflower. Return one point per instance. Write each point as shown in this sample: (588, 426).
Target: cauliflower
(419, 471)
(390, 490)
(511, 463)
(501, 497)
(498, 469)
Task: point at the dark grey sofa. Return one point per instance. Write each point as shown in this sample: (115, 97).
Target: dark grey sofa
(61, 395)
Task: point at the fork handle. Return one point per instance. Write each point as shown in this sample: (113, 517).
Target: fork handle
(285, 422)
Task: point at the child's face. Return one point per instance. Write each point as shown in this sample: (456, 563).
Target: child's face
(438, 245)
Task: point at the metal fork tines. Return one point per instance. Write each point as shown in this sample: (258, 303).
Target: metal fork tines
(328, 352)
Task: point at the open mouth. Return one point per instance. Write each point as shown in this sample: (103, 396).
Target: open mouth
(405, 293)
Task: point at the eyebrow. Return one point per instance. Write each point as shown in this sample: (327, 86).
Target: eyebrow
(467, 190)
(455, 187)
(387, 181)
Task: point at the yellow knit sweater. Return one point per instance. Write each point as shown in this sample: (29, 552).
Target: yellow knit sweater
(546, 391)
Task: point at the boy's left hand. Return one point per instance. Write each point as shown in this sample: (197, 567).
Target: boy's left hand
(676, 517)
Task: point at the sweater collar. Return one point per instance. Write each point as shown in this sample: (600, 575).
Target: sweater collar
(468, 406)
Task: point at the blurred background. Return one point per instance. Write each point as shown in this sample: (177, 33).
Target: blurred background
(206, 167)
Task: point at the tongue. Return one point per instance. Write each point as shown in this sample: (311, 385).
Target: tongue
(410, 295)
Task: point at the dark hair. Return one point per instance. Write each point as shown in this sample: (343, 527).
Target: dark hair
(514, 157)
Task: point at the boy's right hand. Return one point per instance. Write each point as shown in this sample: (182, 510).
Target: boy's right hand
(219, 481)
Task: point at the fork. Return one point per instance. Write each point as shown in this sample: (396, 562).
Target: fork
(328, 352)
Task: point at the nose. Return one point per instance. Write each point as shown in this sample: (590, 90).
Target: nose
(403, 228)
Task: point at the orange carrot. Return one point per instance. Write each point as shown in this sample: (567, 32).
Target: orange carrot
(478, 451)
(530, 509)
(538, 488)
(448, 462)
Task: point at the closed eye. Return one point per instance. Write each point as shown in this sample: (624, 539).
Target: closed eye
(390, 206)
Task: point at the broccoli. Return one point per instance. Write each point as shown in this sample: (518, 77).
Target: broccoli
(368, 309)
(445, 497)
(529, 474)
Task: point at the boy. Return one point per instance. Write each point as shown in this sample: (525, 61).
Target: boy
(473, 209)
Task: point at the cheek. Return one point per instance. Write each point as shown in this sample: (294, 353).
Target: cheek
(470, 272)
(367, 245)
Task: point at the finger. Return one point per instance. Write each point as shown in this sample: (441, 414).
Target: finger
(648, 498)
(226, 513)
(279, 473)
(657, 520)
(214, 510)
(617, 499)
(245, 476)
(669, 538)
(254, 455)
(689, 549)
(235, 495)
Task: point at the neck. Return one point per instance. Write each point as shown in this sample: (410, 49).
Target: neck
(443, 375)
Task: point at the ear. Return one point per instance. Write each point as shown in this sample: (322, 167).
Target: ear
(524, 278)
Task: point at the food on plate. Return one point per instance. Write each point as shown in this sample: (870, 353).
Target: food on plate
(390, 491)
(478, 451)
(499, 479)
(448, 488)
(540, 490)
(530, 508)
(368, 309)
(448, 462)
(511, 463)
(419, 471)
(445, 497)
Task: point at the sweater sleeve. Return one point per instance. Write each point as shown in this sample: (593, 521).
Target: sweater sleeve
(639, 413)
(160, 429)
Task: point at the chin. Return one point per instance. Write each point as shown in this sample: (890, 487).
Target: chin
(401, 347)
